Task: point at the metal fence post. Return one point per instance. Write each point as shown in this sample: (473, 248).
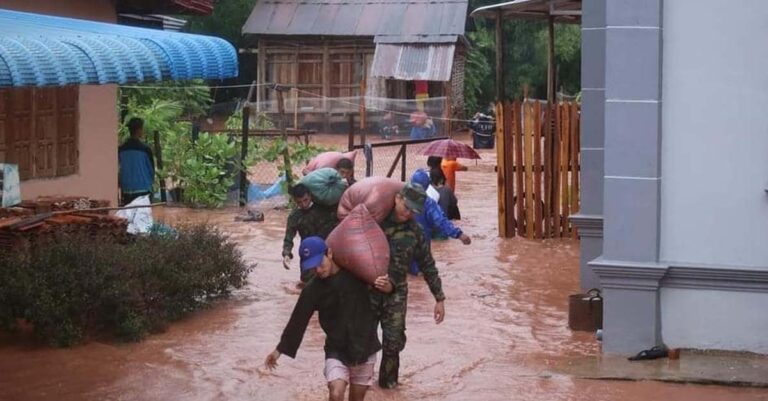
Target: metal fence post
(244, 155)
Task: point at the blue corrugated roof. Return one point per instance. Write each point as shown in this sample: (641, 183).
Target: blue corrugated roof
(40, 50)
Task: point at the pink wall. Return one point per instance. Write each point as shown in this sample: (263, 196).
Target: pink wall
(97, 174)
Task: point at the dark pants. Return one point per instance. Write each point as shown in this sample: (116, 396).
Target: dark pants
(128, 198)
(392, 310)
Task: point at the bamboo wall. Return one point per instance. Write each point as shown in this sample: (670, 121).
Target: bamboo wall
(538, 168)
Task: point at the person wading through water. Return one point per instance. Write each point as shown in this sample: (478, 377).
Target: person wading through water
(346, 316)
(406, 243)
(308, 219)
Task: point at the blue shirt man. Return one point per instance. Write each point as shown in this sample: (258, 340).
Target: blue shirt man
(137, 164)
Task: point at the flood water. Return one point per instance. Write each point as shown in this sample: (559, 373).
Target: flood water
(505, 330)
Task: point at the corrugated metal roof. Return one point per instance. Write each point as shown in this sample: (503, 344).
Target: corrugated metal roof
(38, 50)
(406, 21)
(413, 62)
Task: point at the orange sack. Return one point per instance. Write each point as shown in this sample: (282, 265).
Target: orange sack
(360, 246)
(376, 193)
(328, 159)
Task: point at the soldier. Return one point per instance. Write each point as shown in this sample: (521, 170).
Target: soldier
(406, 242)
(308, 219)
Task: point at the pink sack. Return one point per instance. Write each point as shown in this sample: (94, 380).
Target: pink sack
(328, 159)
(360, 246)
(376, 193)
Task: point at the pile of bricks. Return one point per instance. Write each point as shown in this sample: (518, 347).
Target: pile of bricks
(33, 223)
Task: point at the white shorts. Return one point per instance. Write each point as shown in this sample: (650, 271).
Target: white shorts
(361, 374)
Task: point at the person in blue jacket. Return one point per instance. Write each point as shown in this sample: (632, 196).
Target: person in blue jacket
(136, 164)
(434, 220)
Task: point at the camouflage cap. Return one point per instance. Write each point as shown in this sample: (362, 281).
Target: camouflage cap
(414, 196)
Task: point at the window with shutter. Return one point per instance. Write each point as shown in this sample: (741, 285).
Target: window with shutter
(46, 128)
(66, 151)
(20, 127)
(5, 96)
(39, 130)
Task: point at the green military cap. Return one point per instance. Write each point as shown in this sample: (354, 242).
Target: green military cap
(414, 196)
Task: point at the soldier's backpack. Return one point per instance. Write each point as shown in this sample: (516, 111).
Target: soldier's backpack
(326, 185)
(360, 246)
(376, 193)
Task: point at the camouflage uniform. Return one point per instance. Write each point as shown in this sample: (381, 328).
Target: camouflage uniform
(406, 242)
(318, 221)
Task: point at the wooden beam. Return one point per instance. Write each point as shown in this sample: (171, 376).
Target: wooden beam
(499, 57)
(551, 96)
(261, 73)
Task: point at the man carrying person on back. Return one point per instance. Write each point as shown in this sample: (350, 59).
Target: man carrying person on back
(308, 219)
(406, 243)
(346, 316)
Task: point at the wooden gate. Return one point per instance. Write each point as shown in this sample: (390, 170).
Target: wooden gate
(538, 168)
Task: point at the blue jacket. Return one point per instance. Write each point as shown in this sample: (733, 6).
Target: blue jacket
(422, 132)
(137, 167)
(433, 216)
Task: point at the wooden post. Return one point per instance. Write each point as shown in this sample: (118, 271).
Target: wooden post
(261, 73)
(295, 107)
(508, 119)
(159, 164)
(551, 96)
(448, 112)
(351, 143)
(281, 127)
(499, 56)
(404, 151)
(362, 104)
(564, 163)
(537, 171)
(517, 110)
(501, 178)
(244, 155)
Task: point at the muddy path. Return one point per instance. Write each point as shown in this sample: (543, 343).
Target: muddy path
(504, 333)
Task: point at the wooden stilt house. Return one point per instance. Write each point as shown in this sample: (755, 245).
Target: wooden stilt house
(337, 52)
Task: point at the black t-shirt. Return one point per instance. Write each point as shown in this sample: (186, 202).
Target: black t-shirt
(346, 316)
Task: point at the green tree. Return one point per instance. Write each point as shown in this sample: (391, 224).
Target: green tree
(226, 22)
(525, 59)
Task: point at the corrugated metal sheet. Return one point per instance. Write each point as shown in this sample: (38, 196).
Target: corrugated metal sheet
(39, 50)
(413, 21)
(413, 62)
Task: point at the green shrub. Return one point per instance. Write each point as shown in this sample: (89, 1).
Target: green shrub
(79, 286)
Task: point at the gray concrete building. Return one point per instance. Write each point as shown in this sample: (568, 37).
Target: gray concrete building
(674, 217)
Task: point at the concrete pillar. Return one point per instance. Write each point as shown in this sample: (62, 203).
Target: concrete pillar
(629, 267)
(589, 220)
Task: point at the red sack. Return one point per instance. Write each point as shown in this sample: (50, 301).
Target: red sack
(328, 159)
(376, 193)
(360, 246)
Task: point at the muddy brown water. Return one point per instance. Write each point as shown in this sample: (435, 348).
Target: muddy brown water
(505, 330)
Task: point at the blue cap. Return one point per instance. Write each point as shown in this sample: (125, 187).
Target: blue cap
(421, 177)
(311, 252)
